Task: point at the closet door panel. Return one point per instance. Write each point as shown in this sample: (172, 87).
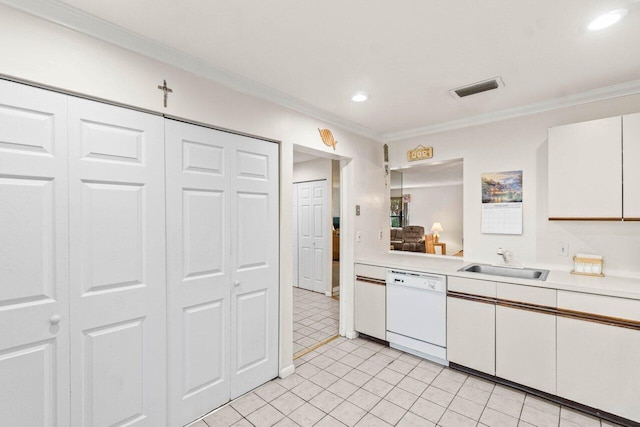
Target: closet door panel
(117, 246)
(34, 308)
(254, 263)
(198, 239)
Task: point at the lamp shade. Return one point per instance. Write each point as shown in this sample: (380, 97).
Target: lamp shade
(437, 227)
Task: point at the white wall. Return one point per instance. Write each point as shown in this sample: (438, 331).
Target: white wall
(521, 144)
(442, 203)
(47, 54)
(313, 170)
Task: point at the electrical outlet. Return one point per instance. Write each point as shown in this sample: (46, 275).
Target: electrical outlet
(359, 236)
(380, 235)
(563, 249)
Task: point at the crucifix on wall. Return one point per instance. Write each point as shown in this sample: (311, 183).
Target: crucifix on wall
(166, 91)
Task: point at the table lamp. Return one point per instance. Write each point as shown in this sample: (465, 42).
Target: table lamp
(436, 227)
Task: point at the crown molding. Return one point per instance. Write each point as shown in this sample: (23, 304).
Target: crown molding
(594, 95)
(82, 22)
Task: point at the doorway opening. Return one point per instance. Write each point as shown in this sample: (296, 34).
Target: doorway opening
(316, 249)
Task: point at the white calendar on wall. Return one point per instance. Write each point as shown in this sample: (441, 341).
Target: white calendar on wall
(502, 202)
(502, 218)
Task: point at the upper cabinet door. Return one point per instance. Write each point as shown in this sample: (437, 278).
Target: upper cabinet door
(585, 170)
(631, 158)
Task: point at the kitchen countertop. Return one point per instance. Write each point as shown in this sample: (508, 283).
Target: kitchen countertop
(622, 287)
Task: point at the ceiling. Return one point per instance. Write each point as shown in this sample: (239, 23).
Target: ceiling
(405, 54)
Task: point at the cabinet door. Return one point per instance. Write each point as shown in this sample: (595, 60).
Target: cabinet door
(598, 366)
(631, 143)
(370, 309)
(471, 339)
(526, 348)
(585, 170)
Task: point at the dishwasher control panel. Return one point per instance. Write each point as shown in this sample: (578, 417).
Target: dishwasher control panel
(426, 281)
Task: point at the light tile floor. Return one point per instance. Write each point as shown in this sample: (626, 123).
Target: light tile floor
(362, 383)
(315, 318)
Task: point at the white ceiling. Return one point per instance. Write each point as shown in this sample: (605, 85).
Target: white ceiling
(407, 54)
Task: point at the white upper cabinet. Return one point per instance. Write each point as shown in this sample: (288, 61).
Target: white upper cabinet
(631, 172)
(585, 170)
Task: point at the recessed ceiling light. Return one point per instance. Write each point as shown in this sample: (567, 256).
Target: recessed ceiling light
(360, 97)
(607, 19)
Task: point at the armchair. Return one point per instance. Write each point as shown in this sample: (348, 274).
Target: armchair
(413, 238)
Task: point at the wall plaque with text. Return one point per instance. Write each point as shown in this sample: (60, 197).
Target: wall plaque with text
(420, 153)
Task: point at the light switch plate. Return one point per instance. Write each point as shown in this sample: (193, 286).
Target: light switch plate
(357, 210)
(359, 236)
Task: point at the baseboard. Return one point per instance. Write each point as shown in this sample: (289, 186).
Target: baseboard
(351, 335)
(607, 416)
(289, 370)
(328, 294)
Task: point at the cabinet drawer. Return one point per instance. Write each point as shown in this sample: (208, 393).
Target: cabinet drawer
(528, 294)
(372, 271)
(472, 286)
(597, 304)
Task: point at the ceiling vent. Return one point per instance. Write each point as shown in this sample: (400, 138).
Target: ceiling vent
(478, 87)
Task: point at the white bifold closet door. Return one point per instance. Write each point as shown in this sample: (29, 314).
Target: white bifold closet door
(222, 242)
(314, 246)
(117, 269)
(34, 258)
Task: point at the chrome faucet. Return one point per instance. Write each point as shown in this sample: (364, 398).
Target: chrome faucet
(506, 255)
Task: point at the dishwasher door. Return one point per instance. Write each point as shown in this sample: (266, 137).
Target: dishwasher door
(418, 313)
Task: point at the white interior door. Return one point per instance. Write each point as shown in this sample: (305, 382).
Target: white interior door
(314, 255)
(34, 272)
(198, 246)
(254, 264)
(117, 246)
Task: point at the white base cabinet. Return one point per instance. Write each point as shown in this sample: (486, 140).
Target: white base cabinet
(526, 348)
(578, 346)
(526, 339)
(598, 364)
(371, 301)
(471, 338)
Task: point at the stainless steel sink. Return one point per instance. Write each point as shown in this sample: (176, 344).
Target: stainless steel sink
(518, 273)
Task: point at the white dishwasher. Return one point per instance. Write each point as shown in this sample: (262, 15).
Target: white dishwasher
(417, 314)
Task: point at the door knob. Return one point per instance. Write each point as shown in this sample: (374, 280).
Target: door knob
(236, 283)
(55, 319)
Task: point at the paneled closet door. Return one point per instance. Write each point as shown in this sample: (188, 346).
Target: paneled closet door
(198, 273)
(34, 272)
(117, 247)
(254, 264)
(313, 239)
